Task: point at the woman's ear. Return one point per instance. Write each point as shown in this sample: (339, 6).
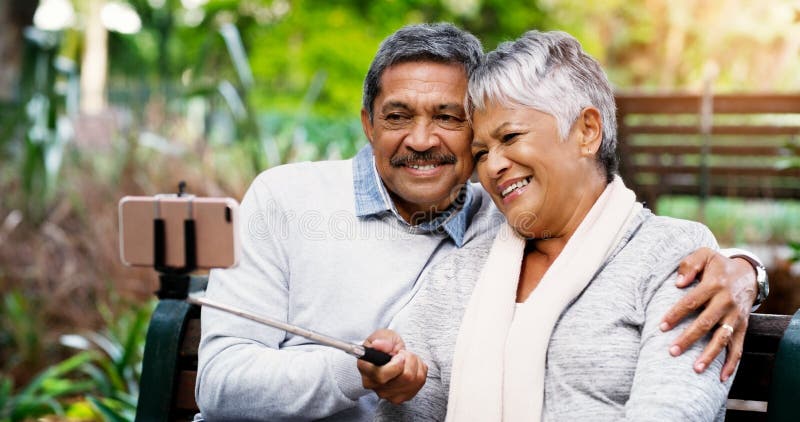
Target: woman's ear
(591, 131)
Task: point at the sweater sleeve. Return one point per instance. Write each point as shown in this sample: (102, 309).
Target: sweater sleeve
(666, 387)
(429, 325)
(430, 403)
(243, 374)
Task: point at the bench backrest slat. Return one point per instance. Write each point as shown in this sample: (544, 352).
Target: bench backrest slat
(665, 147)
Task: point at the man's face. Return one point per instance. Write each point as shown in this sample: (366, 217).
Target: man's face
(420, 135)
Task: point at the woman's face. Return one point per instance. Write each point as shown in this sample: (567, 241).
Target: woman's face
(544, 186)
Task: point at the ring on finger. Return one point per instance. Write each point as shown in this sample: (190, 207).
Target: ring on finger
(727, 327)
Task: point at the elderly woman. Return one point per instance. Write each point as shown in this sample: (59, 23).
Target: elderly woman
(558, 317)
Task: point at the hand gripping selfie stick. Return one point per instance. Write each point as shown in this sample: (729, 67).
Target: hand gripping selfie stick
(375, 357)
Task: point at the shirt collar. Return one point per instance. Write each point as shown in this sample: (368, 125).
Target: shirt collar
(371, 198)
(368, 192)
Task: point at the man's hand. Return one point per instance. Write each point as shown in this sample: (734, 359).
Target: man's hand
(727, 290)
(400, 379)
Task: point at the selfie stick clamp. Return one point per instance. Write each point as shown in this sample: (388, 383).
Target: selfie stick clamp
(174, 281)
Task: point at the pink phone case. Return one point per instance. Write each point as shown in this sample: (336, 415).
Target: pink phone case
(215, 221)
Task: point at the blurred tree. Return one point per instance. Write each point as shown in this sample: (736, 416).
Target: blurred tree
(94, 65)
(15, 15)
(298, 60)
(294, 44)
(662, 45)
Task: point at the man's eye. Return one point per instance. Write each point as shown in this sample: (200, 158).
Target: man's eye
(449, 121)
(477, 156)
(396, 120)
(510, 136)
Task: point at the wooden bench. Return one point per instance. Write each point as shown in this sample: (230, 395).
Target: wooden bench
(769, 371)
(725, 145)
(169, 369)
(767, 384)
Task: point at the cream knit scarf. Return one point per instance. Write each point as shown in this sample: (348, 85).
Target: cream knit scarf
(499, 362)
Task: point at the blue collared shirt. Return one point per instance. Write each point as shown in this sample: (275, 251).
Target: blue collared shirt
(371, 198)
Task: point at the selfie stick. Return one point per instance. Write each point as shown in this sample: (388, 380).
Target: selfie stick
(175, 285)
(373, 356)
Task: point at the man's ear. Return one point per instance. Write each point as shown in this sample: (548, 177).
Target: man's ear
(591, 131)
(366, 124)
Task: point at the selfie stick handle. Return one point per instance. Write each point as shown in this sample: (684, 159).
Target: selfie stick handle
(373, 356)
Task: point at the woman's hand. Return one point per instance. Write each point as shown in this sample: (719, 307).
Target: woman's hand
(727, 291)
(400, 379)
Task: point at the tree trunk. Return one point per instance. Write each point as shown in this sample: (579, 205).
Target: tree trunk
(15, 15)
(94, 69)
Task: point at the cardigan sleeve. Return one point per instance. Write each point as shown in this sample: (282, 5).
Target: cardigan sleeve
(666, 387)
(429, 326)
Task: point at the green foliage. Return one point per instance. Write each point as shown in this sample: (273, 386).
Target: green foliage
(294, 44)
(37, 122)
(100, 382)
(795, 247)
(300, 61)
(115, 373)
(19, 331)
(270, 138)
(738, 221)
(792, 156)
(791, 161)
(339, 39)
(43, 394)
(310, 138)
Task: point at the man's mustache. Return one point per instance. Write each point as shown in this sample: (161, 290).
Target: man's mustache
(422, 158)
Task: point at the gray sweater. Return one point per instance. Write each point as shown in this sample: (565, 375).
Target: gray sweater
(607, 359)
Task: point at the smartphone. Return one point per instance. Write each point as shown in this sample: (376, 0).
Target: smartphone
(215, 222)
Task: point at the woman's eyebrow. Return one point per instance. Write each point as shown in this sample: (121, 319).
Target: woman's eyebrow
(496, 133)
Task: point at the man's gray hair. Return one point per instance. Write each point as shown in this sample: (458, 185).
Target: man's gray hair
(549, 71)
(438, 42)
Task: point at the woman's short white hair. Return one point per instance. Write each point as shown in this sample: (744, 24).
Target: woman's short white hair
(550, 72)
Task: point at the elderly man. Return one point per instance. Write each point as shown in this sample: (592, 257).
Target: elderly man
(337, 247)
